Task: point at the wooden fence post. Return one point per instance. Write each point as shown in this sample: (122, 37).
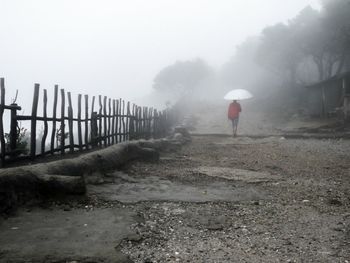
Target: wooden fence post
(63, 134)
(123, 120)
(113, 122)
(120, 119)
(117, 121)
(43, 140)
(132, 123)
(91, 121)
(105, 121)
(109, 122)
(155, 129)
(159, 124)
(164, 123)
(150, 114)
(2, 138)
(135, 113)
(13, 128)
(80, 136)
(94, 129)
(139, 123)
(87, 119)
(128, 121)
(33, 121)
(70, 123)
(53, 134)
(100, 121)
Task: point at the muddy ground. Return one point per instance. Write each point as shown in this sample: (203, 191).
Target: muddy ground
(218, 199)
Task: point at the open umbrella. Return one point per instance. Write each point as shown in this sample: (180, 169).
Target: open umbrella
(238, 94)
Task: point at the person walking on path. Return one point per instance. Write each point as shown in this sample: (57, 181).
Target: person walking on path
(233, 114)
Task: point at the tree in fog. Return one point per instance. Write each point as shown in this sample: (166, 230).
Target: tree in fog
(322, 37)
(182, 78)
(336, 24)
(279, 51)
(311, 47)
(234, 72)
(242, 70)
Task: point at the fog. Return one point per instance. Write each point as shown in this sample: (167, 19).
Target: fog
(117, 48)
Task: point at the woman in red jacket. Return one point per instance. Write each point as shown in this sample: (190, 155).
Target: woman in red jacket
(233, 114)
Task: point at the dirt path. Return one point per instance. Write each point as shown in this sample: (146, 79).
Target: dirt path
(301, 213)
(219, 199)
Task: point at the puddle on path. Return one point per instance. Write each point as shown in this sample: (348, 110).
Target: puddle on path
(246, 176)
(154, 188)
(243, 140)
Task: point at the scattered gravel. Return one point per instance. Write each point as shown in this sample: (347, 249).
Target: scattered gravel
(307, 217)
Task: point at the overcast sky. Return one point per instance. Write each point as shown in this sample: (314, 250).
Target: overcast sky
(116, 47)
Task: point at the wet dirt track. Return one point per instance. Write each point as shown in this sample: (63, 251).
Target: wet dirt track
(303, 215)
(218, 199)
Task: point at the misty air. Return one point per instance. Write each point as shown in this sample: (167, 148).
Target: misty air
(175, 131)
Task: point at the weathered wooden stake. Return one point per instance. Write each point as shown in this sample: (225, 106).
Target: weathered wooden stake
(113, 123)
(86, 122)
(100, 121)
(128, 121)
(80, 135)
(62, 128)
(70, 123)
(13, 128)
(117, 122)
(2, 137)
(109, 121)
(123, 119)
(105, 121)
(53, 133)
(33, 121)
(120, 119)
(92, 111)
(94, 129)
(43, 140)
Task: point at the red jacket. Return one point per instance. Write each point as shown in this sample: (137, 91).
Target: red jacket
(233, 110)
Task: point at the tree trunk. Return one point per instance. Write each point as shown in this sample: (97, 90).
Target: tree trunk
(320, 68)
(341, 63)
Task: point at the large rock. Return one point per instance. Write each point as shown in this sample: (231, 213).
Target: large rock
(69, 176)
(20, 184)
(183, 131)
(181, 135)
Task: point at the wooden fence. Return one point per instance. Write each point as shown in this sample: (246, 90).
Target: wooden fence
(114, 121)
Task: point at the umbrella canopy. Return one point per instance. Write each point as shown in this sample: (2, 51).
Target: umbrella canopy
(238, 94)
